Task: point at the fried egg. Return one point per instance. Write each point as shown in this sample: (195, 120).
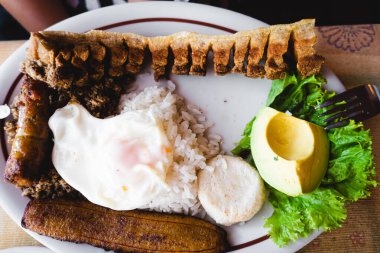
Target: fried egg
(119, 162)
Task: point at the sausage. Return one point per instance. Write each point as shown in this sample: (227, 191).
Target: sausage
(25, 164)
(135, 231)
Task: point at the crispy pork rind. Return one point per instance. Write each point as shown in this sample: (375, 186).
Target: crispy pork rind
(63, 59)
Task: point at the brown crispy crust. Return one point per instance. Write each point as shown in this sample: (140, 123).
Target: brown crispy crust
(159, 47)
(275, 66)
(257, 44)
(308, 61)
(242, 41)
(221, 46)
(122, 231)
(180, 46)
(63, 59)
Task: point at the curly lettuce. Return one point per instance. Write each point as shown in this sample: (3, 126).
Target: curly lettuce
(351, 169)
(296, 217)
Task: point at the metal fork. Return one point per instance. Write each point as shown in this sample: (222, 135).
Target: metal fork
(359, 103)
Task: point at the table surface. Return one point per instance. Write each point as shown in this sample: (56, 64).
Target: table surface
(355, 61)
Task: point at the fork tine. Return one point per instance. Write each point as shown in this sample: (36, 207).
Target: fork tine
(335, 109)
(344, 96)
(346, 114)
(347, 95)
(360, 117)
(338, 124)
(343, 107)
(362, 102)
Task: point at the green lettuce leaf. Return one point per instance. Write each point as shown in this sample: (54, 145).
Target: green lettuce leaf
(244, 145)
(296, 217)
(351, 168)
(278, 86)
(298, 95)
(349, 176)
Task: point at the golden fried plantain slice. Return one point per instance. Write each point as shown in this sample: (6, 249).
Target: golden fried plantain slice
(122, 231)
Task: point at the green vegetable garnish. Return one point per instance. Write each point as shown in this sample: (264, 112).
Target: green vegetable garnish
(350, 173)
(296, 217)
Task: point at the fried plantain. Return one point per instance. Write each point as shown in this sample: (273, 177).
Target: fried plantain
(122, 231)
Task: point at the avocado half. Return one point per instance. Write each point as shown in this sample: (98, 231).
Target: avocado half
(290, 154)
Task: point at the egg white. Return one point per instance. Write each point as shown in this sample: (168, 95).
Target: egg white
(119, 162)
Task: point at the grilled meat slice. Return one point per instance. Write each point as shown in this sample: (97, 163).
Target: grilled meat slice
(122, 231)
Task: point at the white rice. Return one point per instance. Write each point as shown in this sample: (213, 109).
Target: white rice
(186, 128)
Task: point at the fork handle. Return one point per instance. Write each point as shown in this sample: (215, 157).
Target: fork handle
(377, 94)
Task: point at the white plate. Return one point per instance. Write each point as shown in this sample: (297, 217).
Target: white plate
(27, 250)
(229, 101)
